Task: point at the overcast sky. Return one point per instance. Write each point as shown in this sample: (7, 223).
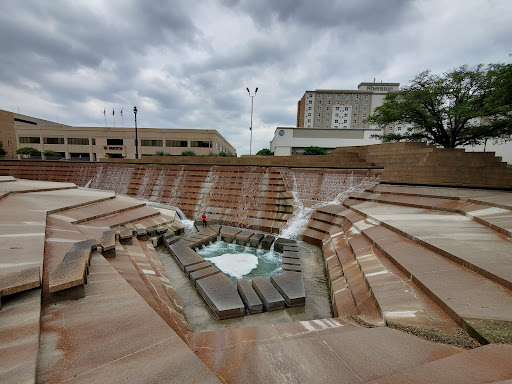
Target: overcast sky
(186, 64)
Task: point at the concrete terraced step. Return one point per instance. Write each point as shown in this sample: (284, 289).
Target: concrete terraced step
(137, 264)
(499, 219)
(100, 209)
(122, 218)
(474, 302)
(452, 235)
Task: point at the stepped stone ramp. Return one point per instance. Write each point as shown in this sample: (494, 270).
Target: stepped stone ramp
(482, 307)
(139, 265)
(100, 209)
(452, 235)
(318, 351)
(499, 219)
(112, 335)
(490, 363)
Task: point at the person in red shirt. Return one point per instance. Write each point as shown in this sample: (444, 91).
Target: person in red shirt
(203, 217)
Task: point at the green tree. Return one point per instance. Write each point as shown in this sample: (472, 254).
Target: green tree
(49, 152)
(314, 151)
(28, 151)
(2, 150)
(265, 152)
(188, 153)
(465, 106)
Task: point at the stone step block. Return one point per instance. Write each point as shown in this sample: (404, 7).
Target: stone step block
(266, 242)
(196, 267)
(291, 254)
(19, 281)
(199, 274)
(184, 255)
(249, 297)
(291, 286)
(221, 295)
(126, 236)
(243, 237)
(291, 268)
(108, 244)
(269, 295)
(255, 239)
(280, 242)
(290, 261)
(291, 248)
(228, 234)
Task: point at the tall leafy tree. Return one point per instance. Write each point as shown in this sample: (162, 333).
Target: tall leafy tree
(465, 106)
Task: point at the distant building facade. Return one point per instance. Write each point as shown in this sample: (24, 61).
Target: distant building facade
(94, 143)
(343, 109)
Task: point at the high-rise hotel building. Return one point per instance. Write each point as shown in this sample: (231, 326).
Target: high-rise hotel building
(342, 109)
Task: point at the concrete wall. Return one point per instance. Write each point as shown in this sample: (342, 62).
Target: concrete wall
(7, 133)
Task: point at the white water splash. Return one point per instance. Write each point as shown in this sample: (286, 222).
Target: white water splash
(309, 195)
(88, 185)
(236, 265)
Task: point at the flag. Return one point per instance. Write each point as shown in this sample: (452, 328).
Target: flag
(121, 111)
(113, 114)
(105, 112)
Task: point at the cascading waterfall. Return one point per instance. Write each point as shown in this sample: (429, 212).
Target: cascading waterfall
(88, 185)
(331, 190)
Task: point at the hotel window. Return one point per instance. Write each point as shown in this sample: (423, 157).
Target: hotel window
(390, 129)
(345, 121)
(329, 96)
(337, 114)
(309, 108)
(345, 127)
(201, 144)
(338, 96)
(364, 127)
(318, 108)
(346, 108)
(345, 115)
(326, 120)
(355, 109)
(327, 114)
(114, 141)
(337, 102)
(319, 101)
(318, 114)
(328, 101)
(30, 140)
(355, 121)
(310, 95)
(347, 96)
(326, 127)
(365, 96)
(309, 113)
(364, 109)
(347, 102)
(337, 108)
(53, 140)
(93, 141)
(335, 126)
(336, 121)
(399, 129)
(328, 108)
(364, 114)
(310, 102)
(357, 96)
(356, 102)
(179, 143)
(309, 120)
(355, 114)
(320, 95)
(78, 141)
(365, 103)
(151, 143)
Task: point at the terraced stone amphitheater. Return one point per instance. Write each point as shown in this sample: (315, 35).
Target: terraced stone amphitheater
(417, 251)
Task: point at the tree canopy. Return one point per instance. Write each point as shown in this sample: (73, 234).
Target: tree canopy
(265, 152)
(465, 106)
(314, 151)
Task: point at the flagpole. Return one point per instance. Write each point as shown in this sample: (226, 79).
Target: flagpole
(113, 114)
(105, 116)
(122, 118)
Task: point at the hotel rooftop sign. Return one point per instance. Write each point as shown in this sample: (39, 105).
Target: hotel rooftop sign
(378, 87)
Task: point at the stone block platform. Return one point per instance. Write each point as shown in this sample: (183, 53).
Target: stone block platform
(268, 294)
(221, 295)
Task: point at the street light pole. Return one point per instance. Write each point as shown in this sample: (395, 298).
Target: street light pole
(136, 138)
(252, 105)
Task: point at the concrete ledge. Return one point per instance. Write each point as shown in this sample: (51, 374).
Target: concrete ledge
(203, 273)
(243, 237)
(66, 275)
(185, 255)
(281, 242)
(267, 241)
(108, 244)
(14, 282)
(249, 297)
(196, 267)
(292, 268)
(291, 286)
(221, 295)
(290, 261)
(269, 295)
(255, 239)
(126, 236)
(291, 254)
(228, 234)
(141, 233)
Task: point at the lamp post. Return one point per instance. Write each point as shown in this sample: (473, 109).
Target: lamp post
(136, 138)
(252, 105)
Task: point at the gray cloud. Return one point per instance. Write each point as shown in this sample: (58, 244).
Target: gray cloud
(187, 64)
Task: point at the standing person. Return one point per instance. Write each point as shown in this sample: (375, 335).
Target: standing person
(203, 217)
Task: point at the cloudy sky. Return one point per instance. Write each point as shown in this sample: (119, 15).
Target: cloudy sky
(186, 64)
